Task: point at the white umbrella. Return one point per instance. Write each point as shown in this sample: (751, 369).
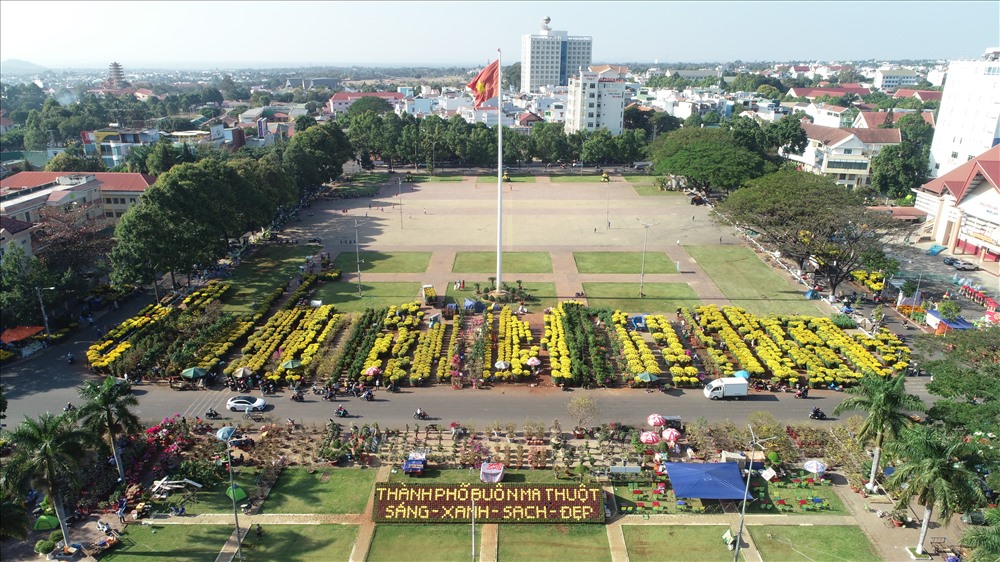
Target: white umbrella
(501, 365)
(534, 362)
(815, 466)
(656, 420)
(243, 372)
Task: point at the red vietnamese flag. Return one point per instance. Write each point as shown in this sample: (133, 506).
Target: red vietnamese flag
(486, 85)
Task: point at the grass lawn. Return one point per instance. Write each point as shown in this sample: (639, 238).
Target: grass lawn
(647, 179)
(268, 268)
(588, 178)
(821, 542)
(423, 178)
(300, 543)
(513, 262)
(656, 543)
(376, 295)
(328, 490)
(405, 543)
(622, 262)
(791, 495)
(553, 542)
(177, 543)
(660, 297)
(749, 283)
(382, 262)
(460, 476)
(513, 179)
(543, 291)
(212, 499)
(650, 189)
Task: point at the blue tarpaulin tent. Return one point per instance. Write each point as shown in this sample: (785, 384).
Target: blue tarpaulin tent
(934, 318)
(474, 305)
(709, 481)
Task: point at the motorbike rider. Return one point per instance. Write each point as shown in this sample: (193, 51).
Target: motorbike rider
(69, 407)
(69, 357)
(802, 392)
(817, 413)
(341, 411)
(420, 413)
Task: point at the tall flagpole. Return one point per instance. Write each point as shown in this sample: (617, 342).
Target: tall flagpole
(499, 174)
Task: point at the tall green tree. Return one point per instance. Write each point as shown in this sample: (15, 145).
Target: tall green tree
(108, 412)
(898, 169)
(317, 155)
(935, 468)
(886, 404)
(965, 365)
(48, 452)
(707, 158)
(19, 276)
(65, 162)
(13, 518)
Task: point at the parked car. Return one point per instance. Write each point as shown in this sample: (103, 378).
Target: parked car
(242, 403)
(963, 265)
(950, 261)
(315, 240)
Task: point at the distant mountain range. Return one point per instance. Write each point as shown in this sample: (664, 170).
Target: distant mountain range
(15, 66)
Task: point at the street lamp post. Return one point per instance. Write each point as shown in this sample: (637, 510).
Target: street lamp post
(45, 317)
(357, 252)
(607, 207)
(754, 442)
(232, 494)
(642, 270)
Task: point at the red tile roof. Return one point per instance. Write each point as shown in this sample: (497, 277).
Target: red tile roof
(350, 96)
(875, 119)
(14, 226)
(110, 181)
(957, 181)
(835, 92)
(833, 135)
(906, 213)
(922, 95)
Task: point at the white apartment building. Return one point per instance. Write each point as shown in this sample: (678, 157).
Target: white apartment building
(596, 101)
(890, 80)
(549, 58)
(968, 122)
(843, 154)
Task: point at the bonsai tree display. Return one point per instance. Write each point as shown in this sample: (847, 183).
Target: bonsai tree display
(583, 410)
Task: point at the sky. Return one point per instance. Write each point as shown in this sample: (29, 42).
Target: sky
(262, 34)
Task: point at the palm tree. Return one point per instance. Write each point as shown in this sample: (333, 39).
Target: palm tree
(935, 470)
(48, 452)
(885, 401)
(13, 518)
(107, 412)
(984, 541)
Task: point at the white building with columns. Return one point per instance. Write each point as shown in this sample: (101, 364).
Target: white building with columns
(549, 58)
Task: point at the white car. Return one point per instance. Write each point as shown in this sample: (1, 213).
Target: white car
(963, 265)
(242, 403)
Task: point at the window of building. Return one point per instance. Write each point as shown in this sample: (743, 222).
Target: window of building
(848, 151)
(109, 214)
(954, 155)
(107, 200)
(590, 114)
(118, 215)
(132, 200)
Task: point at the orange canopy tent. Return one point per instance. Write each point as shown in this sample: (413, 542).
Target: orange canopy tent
(12, 335)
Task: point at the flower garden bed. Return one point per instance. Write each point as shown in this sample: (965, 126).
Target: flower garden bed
(792, 349)
(578, 350)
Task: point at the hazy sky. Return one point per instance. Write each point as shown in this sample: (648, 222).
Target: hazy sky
(207, 34)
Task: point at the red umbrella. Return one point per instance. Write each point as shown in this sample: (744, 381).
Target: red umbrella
(372, 371)
(656, 420)
(671, 434)
(649, 437)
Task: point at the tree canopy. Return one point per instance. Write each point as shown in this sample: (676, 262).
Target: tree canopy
(706, 158)
(966, 369)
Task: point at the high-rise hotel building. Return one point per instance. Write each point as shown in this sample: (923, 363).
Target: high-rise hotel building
(549, 58)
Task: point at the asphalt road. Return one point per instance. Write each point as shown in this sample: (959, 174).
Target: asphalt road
(46, 383)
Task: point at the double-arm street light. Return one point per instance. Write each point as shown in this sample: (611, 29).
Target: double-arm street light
(754, 443)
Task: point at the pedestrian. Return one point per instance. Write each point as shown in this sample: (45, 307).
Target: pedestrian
(425, 211)
(595, 230)
(692, 218)
(121, 516)
(678, 242)
(259, 531)
(411, 215)
(720, 240)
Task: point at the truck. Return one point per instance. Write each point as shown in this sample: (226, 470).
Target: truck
(726, 387)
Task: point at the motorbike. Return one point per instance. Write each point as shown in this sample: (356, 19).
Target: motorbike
(392, 388)
(421, 416)
(368, 396)
(69, 407)
(817, 414)
(297, 397)
(211, 414)
(802, 393)
(330, 397)
(341, 413)
(318, 390)
(69, 358)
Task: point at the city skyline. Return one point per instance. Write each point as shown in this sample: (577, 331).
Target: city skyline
(225, 34)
